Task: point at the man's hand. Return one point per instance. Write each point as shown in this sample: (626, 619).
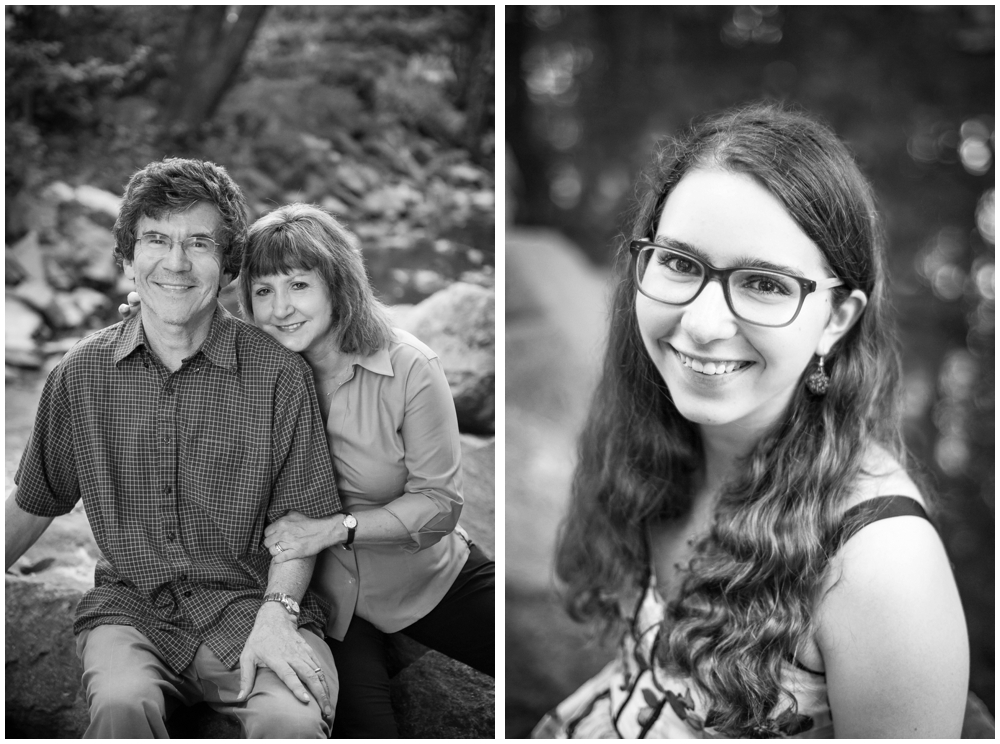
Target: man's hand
(276, 644)
(131, 307)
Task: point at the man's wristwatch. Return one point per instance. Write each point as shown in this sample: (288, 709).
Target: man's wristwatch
(286, 601)
(351, 523)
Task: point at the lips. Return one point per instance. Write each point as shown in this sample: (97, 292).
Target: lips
(291, 327)
(711, 367)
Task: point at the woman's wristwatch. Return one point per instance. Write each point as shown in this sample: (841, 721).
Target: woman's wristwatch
(351, 523)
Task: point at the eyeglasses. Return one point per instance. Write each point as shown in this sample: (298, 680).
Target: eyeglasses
(759, 296)
(160, 244)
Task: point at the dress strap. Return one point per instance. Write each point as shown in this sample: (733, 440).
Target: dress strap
(873, 510)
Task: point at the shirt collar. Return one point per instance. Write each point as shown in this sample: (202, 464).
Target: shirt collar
(219, 347)
(379, 362)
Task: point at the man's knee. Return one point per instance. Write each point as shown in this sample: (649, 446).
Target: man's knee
(289, 719)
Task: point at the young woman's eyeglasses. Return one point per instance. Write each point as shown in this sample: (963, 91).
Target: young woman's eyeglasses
(160, 244)
(759, 296)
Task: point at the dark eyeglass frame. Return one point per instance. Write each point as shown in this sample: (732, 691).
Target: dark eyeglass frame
(711, 272)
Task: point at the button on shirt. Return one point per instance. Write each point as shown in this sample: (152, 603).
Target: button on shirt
(393, 433)
(179, 474)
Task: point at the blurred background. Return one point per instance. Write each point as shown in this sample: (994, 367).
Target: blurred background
(383, 115)
(588, 92)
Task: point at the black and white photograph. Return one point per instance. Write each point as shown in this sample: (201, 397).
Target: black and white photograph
(250, 372)
(749, 379)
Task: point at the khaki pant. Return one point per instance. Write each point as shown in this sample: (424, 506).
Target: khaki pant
(131, 691)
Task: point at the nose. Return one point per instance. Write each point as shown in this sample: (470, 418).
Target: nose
(177, 259)
(282, 306)
(708, 317)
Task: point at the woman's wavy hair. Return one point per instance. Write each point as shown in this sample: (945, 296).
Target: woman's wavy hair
(745, 603)
(306, 237)
(174, 185)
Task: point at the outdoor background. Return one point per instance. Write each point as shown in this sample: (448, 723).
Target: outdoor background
(588, 92)
(382, 115)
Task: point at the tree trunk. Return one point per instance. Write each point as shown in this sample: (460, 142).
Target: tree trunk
(479, 87)
(208, 61)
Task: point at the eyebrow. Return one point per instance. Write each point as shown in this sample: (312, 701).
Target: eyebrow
(193, 235)
(745, 261)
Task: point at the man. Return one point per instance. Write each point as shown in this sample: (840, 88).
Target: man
(185, 431)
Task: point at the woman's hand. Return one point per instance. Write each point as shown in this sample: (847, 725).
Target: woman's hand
(132, 306)
(297, 536)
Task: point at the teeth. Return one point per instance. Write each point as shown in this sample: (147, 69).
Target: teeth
(710, 368)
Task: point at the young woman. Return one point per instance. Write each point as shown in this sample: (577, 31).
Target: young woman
(741, 513)
(396, 560)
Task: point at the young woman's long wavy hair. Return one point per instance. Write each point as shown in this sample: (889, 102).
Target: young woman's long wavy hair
(745, 604)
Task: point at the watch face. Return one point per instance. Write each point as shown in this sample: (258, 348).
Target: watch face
(292, 605)
(350, 522)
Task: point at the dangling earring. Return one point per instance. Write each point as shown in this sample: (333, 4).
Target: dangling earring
(817, 381)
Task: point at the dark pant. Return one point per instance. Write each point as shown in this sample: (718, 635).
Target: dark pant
(461, 626)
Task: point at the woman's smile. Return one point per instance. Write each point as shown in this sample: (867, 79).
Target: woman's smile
(710, 367)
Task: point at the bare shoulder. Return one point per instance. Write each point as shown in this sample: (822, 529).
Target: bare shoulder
(883, 475)
(889, 622)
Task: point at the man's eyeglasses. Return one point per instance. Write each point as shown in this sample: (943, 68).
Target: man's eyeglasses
(759, 296)
(160, 244)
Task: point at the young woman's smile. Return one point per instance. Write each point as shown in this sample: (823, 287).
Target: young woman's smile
(295, 309)
(719, 368)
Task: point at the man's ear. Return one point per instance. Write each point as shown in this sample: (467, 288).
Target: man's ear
(842, 319)
(128, 270)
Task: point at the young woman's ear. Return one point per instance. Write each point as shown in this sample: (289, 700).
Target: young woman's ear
(842, 319)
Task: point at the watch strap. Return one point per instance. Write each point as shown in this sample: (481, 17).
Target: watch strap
(286, 601)
(350, 530)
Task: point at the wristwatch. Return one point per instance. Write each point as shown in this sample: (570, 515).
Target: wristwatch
(351, 523)
(286, 601)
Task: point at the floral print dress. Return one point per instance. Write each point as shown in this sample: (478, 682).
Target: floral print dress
(632, 698)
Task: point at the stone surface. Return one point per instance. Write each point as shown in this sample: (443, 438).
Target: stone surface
(42, 690)
(459, 324)
(439, 698)
(23, 327)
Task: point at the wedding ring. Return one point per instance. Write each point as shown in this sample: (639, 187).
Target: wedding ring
(278, 546)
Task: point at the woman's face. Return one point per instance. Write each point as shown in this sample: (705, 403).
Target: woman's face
(294, 308)
(729, 220)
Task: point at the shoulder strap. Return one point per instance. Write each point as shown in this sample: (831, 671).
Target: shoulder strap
(872, 510)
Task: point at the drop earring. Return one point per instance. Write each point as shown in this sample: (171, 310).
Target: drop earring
(818, 381)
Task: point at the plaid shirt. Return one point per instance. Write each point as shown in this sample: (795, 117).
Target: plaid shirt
(179, 473)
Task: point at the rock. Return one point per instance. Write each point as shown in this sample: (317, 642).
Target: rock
(458, 323)
(39, 296)
(42, 692)
(29, 255)
(14, 273)
(439, 698)
(102, 202)
(93, 251)
(22, 326)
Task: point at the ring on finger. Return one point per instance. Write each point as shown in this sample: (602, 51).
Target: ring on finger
(278, 547)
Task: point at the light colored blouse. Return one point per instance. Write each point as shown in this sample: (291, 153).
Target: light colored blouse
(393, 433)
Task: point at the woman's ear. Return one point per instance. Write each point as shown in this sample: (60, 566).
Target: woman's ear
(842, 319)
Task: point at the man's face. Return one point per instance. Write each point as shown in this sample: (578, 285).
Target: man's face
(178, 287)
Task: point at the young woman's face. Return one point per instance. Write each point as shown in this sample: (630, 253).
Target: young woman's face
(720, 370)
(294, 308)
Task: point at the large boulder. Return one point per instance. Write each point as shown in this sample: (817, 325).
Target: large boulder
(459, 324)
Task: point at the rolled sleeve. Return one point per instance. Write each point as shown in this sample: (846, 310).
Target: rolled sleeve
(47, 479)
(431, 502)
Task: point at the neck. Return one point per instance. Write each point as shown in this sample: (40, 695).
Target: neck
(725, 447)
(326, 359)
(172, 344)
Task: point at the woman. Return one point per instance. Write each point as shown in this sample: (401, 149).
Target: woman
(741, 513)
(396, 559)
